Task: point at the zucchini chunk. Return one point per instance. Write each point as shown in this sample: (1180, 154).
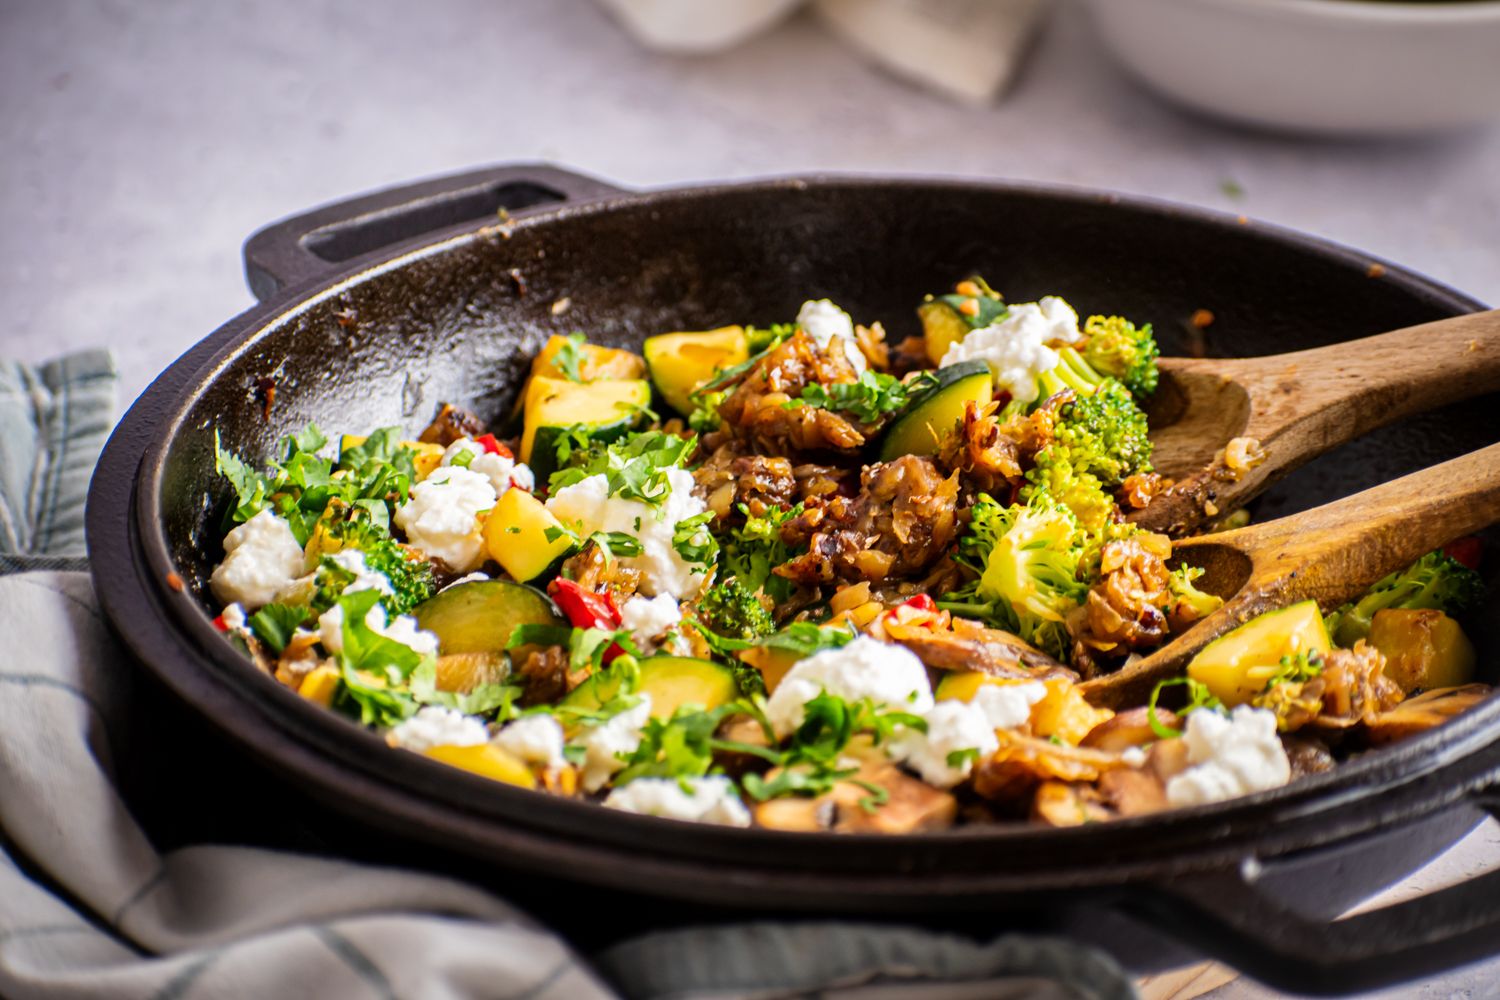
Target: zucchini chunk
(942, 326)
(607, 409)
(1236, 666)
(515, 536)
(671, 681)
(931, 416)
(1424, 649)
(479, 617)
(595, 361)
(681, 362)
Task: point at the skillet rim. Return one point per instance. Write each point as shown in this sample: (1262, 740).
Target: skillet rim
(1374, 776)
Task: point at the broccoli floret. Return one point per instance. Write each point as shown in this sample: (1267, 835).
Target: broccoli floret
(1118, 348)
(750, 552)
(1188, 602)
(1071, 372)
(410, 574)
(1027, 557)
(1436, 581)
(732, 610)
(1105, 434)
(1056, 475)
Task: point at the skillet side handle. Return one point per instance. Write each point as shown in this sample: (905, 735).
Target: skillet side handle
(1231, 920)
(308, 246)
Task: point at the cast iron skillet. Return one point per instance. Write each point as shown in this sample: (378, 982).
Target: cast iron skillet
(375, 310)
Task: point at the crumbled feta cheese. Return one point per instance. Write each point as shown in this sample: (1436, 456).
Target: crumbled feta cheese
(711, 800)
(475, 577)
(438, 727)
(825, 322)
(966, 728)
(603, 744)
(588, 505)
(865, 668)
(1016, 348)
(261, 557)
(233, 617)
(1229, 755)
(442, 516)
(649, 617)
(502, 472)
(403, 630)
(1134, 757)
(536, 739)
(365, 578)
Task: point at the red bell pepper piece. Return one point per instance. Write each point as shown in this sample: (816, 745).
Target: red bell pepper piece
(1465, 550)
(584, 608)
(922, 602)
(492, 446)
(220, 625)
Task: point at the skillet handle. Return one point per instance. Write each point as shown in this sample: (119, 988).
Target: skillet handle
(1231, 919)
(308, 246)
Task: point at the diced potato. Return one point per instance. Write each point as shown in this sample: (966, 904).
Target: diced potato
(1423, 649)
(319, 685)
(487, 761)
(1235, 667)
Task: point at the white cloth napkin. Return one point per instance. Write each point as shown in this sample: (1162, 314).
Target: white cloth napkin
(968, 50)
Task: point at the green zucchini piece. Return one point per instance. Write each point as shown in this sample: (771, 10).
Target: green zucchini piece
(671, 681)
(681, 362)
(479, 617)
(608, 409)
(920, 429)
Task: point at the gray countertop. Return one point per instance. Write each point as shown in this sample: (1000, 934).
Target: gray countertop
(143, 142)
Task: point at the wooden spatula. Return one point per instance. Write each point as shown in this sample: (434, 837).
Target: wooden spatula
(1298, 406)
(1331, 553)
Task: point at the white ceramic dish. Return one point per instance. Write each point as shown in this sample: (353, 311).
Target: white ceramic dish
(1336, 66)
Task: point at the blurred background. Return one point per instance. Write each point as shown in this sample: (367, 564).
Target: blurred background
(144, 141)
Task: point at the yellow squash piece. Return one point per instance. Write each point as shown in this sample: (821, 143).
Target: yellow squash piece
(595, 361)
(1423, 649)
(671, 681)
(487, 761)
(320, 685)
(942, 326)
(681, 362)
(608, 409)
(516, 536)
(1235, 667)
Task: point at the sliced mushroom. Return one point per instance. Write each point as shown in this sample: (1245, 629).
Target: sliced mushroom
(1431, 708)
(1059, 803)
(1022, 762)
(909, 806)
(1131, 728)
(971, 646)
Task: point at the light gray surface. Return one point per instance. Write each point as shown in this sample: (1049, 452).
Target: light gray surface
(140, 143)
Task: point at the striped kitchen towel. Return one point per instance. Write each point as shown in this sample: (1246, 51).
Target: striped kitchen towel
(92, 907)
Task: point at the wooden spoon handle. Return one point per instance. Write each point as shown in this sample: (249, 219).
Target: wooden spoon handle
(1298, 406)
(1331, 553)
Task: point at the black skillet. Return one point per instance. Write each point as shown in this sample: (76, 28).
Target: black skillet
(375, 310)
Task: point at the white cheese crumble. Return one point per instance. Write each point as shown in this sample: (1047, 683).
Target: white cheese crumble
(966, 728)
(442, 516)
(603, 744)
(649, 617)
(403, 630)
(261, 557)
(588, 506)
(365, 578)
(536, 739)
(438, 727)
(502, 472)
(825, 322)
(233, 617)
(1016, 348)
(710, 800)
(865, 668)
(1229, 755)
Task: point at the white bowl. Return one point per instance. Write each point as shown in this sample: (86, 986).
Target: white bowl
(1343, 66)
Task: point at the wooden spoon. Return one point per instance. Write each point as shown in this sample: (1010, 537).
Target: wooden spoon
(1331, 553)
(1298, 406)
